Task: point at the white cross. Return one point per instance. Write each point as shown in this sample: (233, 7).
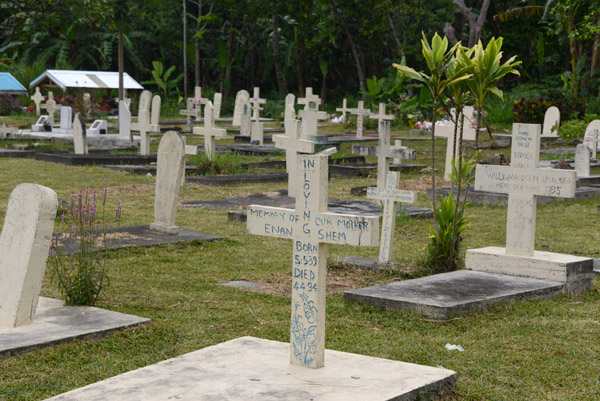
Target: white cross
(398, 144)
(191, 111)
(292, 145)
(310, 115)
(360, 112)
(209, 131)
(37, 99)
(311, 228)
(344, 109)
(383, 152)
(256, 102)
(381, 116)
(310, 100)
(524, 181)
(7, 131)
(390, 195)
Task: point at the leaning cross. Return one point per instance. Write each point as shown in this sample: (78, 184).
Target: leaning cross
(37, 99)
(256, 102)
(311, 228)
(381, 116)
(310, 114)
(292, 145)
(384, 152)
(390, 195)
(524, 181)
(209, 131)
(344, 109)
(360, 113)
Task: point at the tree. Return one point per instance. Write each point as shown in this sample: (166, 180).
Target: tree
(475, 22)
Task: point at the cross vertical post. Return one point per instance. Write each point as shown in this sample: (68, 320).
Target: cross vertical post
(209, 131)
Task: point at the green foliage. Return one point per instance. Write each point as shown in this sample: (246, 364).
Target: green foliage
(76, 263)
(572, 129)
(533, 111)
(162, 79)
(384, 89)
(228, 163)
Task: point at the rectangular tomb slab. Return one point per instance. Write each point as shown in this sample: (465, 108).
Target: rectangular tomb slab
(55, 323)
(249, 368)
(445, 295)
(574, 271)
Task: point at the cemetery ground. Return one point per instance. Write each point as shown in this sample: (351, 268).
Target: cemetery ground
(527, 350)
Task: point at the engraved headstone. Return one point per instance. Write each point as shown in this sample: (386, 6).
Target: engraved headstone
(311, 228)
(384, 152)
(169, 173)
(241, 97)
(551, 122)
(24, 246)
(98, 127)
(246, 119)
(66, 115)
(37, 99)
(582, 160)
(344, 109)
(293, 145)
(360, 112)
(79, 135)
(390, 195)
(209, 131)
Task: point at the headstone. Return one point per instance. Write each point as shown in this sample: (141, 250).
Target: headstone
(582, 160)
(360, 112)
(384, 152)
(66, 115)
(311, 228)
(241, 97)
(51, 108)
(310, 115)
(523, 181)
(98, 127)
(79, 135)
(209, 131)
(145, 100)
(257, 133)
(40, 123)
(155, 117)
(87, 104)
(24, 247)
(293, 145)
(447, 131)
(390, 195)
(344, 109)
(289, 113)
(551, 122)
(124, 120)
(592, 137)
(256, 101)
(246, 119)
(381, 116)
(37, 99)
(169, 172)
(217, 105)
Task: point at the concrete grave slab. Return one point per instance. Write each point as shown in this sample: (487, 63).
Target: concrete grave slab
(274, 198)
(249, 368)
(218, 180)
(445, 295)
(364, 263)
(94, 159)
(597, 265)
(55, 323)
(243, 284)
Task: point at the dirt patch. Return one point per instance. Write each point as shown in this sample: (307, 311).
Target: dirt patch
(421, 184)
(134, 189)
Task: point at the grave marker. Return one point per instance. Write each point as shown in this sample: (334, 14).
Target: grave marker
(169, 173)
(592, 137)
(311, 228)
(155, 117)
(344, 109)
(582, 160)
(256, 101)
(310, 114)
(79, 135)
(66, 115)
(246, 119)
(241, 97)
(381, 116)
(217, 105)
(360, 112)
(289, 114)
(98, 127)
(7, 131)
(87, 104)
(124, 120)
(24, 245)
(383, 152)
(37, 99)
(190, 111)
(209, 131)
(390, 195)
(551, 119)
(40, 123)
(523, 181)
(447, 131)
(293, 145)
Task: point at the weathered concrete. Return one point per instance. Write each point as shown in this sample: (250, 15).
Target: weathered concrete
(249, 368)
(55, 323)
(274, 198)
(445, 295)
(364, 263)
(597, 266)
(244, 284)
(218, 180)
(95, 159)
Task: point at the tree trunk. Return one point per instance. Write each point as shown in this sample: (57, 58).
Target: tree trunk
(394, 31)
(475, 24)
(595, 52)
(185, 68)
(120, 61)
(281, 83)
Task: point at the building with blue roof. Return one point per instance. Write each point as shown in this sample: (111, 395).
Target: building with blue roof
(10, 86)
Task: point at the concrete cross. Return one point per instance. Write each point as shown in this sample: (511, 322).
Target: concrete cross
(37, 99)
(7, 131)
(256, 102)
(311, 228)
(524, 181)
(384, 152)
(310, 115)
(191, 111)
(398, 144)
(292, 145)
(310, 100)
(209, 131)
(381, 116)
(390, 195)
(217, 105)
(360, 112)
(344, 109)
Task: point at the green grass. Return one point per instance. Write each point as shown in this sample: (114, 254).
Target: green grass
(524, 351)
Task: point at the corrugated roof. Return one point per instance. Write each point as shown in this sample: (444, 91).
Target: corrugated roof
(85, 79)
(9, 85)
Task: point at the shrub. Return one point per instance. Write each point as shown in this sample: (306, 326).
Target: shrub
(228, 163)
(533, 111)
(572, 129)
(77, 258)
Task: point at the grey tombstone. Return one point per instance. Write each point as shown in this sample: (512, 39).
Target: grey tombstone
(551, 120)
(217, 105)
(169, 173)
(24, 245)
(79, 135)
(66, 115)
(191, 111)
(124, 121)
(241, 97)
(246, 119)
(582, 160)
